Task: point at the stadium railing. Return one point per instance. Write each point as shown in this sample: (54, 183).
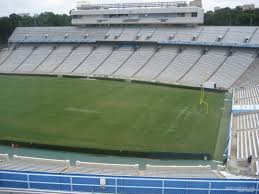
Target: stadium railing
(68, 183)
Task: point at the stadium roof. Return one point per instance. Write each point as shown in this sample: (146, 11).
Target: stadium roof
(86, 6)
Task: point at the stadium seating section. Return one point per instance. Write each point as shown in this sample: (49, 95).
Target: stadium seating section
(248, 95)
(145, 33)
(166, 64)
(104, 169)
(21, 163)
(180, 171)
(4, 157)
(245, 126)
(137, 53)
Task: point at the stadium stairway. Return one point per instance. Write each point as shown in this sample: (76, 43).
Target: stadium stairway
(5, 54)
(167, 66)
(66, 57)
(83, 61)
(27, 57)
(123, 63)
(107, 57)
(150, 58)
(118, 57)
(44, 59)
(195, 63)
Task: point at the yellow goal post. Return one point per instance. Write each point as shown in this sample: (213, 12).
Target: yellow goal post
(202, 99)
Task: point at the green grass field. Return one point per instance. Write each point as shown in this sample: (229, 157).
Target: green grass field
(107, 115)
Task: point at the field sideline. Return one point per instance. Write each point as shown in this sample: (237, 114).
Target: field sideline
(107, 115)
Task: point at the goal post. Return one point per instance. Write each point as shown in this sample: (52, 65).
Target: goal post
(202, 99)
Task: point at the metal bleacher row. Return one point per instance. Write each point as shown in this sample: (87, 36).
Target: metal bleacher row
(179, 171)
(245, 124)
(190, 65)
(247, 95)
(247, 121)
(21, 163)
(223, 34)
(104, 169)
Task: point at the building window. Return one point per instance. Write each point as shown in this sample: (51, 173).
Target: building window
(194, 14)
(118, 15)
(180, 14)
(76, 16)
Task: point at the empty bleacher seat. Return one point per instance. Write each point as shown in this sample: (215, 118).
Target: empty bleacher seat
(187, 33)
(147, 33)
(129, 33)
(135, 62)
(114, 33)
(4, 54)
(158, 62)
(74, 60)
(250, 76)
(4, 157)
(179, 171)
(117, 59)
(211, 34)
(54, 60)
(163, 33)
(247, 95)
(191, 67)
(36, 58)
(97, 57)
(237, 34)
(17, 58)
(180, 65)
(22, 163)
(226, 75)
(246, 125)
(232, 34)
(104, 169)
(246, 121)
(204, 67)
(97, 33)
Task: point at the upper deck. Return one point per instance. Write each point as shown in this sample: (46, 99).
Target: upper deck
(177, 12)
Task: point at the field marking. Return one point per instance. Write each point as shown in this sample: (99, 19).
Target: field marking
(183, 112)
(72, 109)
(187, 115)
(170, 131)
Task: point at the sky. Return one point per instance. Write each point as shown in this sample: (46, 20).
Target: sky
(64, 6)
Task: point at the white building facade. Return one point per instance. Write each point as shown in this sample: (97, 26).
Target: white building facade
(178, 13)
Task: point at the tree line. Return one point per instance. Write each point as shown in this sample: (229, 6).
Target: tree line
(222, 17)
(232, 17)
(8, 24)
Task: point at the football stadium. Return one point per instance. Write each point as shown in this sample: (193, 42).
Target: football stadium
(135, 80)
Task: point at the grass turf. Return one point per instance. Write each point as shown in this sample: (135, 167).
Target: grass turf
(107, 115)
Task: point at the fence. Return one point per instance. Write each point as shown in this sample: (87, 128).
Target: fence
(122, 185)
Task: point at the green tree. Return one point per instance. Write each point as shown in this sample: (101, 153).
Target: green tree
(232, 17)
(8, 24)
